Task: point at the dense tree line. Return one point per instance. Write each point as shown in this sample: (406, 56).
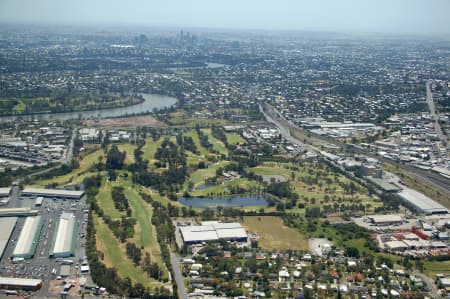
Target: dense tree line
(120, 200)
(219, 133)
(115, 158)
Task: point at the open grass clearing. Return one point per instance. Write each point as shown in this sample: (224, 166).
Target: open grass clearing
(128, 148)
(217, 144)
(85, 164)
(273, 234)
(235, 138)
(145, 232)
(115, 256)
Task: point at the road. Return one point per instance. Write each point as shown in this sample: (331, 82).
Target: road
(175, 261)
(429, 283)
(433, 113)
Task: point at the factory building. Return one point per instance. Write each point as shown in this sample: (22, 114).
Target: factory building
(7, 226)
(386, 219)
(28, 238)
(212, 231)
(53, 193)
(422, 203)
(4, 192)
(12, 283)
(12, 212)
(64, 240)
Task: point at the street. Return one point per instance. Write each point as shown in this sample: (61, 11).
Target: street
(175, 261)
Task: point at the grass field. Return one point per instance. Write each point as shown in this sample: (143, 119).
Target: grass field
(274, 235)
(129, 150)
(145, 236)
(105, 201)
(235, 138)
(436, 267)
(150, 148)
(114, 255)
(217, 144)
(76, 176)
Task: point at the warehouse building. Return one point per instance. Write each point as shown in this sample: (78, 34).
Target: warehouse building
(7, 226)
(4, 192)
(12, 283)
(422, 203)
(28, 238)
(212, 231)
(64, 240)
(13, 212)
(386, 219)
(53, 193)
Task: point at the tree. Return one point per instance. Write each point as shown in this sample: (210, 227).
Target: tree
(115, 158)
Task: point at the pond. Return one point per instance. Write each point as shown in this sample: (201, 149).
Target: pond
(224, 202)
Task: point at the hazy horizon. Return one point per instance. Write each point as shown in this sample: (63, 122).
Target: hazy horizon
(370, 16)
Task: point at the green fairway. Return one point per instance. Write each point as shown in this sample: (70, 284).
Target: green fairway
(145, 232)
(235, 138)
(85, 164)
(114, 255)
(129, 150)
(105, 201)
(150, 148)
(217, 144)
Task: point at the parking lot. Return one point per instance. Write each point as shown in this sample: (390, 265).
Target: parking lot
(41, 266)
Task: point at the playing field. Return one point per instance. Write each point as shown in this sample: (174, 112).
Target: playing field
(273, 234)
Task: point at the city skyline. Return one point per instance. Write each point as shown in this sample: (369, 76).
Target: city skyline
(399, 17)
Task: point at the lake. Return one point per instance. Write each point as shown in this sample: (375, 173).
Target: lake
(225, 202)
(151, 101)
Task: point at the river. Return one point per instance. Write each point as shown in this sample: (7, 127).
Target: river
(151, 101)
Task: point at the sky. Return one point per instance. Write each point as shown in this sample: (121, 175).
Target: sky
(424, 17)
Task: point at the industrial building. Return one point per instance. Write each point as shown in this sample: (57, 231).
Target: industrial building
(422, 203)
(64, 240)
(7, 226)
(12, 212)
(212, 231)
(28, 238)
(4, 192)
(386, 219)
(12, 283)
(53, 193)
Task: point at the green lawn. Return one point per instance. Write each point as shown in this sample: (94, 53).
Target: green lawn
(217, 144)
(203, 151)
(105, 201)
(129, 150)
(235, 138)
(114, 255)
(150, 148)
(145, 232)
(75, 175)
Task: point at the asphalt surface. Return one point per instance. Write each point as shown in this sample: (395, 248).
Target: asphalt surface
(41, 265)
(175, 260)
(433, 113)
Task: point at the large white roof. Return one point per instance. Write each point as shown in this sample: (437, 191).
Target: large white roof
(7, 226)
(5, 191)
(212, 231)
(54, 192)
(19, 281)
(27, 237)
(64, 234)
(421, 201)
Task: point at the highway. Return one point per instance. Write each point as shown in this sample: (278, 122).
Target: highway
(433, 113)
